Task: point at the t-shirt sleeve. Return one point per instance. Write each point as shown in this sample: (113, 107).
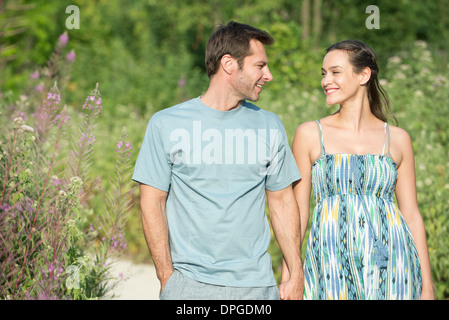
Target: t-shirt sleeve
(153, 166)
(282, 170)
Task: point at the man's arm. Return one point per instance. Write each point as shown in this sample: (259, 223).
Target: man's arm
(155, 228)
(285, 219)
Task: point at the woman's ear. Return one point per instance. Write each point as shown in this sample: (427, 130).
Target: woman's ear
(365, 75)
(227, 63)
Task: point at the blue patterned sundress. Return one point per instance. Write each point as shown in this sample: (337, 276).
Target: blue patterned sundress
(359, 246)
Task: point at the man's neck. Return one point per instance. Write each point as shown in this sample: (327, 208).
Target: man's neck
(217, 97)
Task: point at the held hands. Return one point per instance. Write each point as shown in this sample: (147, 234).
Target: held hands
(292, 289)
(289, 291)
(292, 285)
(428, 294)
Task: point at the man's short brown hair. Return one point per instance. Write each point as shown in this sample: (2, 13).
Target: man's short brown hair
(234, 39)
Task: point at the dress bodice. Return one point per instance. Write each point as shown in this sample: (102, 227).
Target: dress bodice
(351, 174)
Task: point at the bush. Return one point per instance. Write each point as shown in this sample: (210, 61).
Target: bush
(419, 92)
(52, 244)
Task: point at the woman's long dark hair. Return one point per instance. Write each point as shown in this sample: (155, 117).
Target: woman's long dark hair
(362, 56)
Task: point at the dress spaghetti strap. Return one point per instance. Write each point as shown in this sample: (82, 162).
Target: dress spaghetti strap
(323, 152)
(385, 139)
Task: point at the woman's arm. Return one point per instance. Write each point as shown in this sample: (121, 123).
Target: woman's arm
(305, 135)
(408, 205)
(306, 149)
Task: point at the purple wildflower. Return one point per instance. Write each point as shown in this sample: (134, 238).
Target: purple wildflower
(51, 267)
(118, 243)
(5, 207)
(123, 149)
(93, 103)
(62, 119)
(56, 181)
(35, 75)
(182, 82)
(63, 39)
(70, 57)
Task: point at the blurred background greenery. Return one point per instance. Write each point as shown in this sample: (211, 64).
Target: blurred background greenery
(147, 55)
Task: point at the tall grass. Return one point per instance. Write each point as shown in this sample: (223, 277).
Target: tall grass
(52, 246)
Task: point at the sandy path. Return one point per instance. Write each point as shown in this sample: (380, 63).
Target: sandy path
(139, 281)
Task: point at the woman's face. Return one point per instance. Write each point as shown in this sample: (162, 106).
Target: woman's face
(340, 83)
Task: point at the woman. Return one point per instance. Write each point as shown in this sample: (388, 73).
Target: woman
(361, 245)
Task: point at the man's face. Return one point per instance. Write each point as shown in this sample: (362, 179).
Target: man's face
(252, 76)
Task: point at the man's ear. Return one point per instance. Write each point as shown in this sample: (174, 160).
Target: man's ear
(228, 63)
(365, 75)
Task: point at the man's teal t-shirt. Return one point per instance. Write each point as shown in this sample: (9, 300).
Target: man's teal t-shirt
(215, 166)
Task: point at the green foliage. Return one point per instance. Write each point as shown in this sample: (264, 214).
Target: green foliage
(419, 92)
(49, 247)
(159, 46)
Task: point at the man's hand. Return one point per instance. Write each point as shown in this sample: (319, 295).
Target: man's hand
(291, 290)
(284, 214)
(155, 228)
(164, 278)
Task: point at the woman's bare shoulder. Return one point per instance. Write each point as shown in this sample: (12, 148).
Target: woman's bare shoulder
(307, 129)
(400, 145)
(399, 135)
(307, 141)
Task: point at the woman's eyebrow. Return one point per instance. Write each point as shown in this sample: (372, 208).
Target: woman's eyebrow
(333, 67)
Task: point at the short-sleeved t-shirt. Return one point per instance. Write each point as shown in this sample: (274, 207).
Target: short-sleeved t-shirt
(215, 166)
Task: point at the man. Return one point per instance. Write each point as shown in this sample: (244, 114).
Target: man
(204, 168)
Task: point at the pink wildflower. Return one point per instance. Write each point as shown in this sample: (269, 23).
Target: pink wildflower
(35, 75)
(61, 120)
(70, 56)
(63, 39)
(93, 103)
